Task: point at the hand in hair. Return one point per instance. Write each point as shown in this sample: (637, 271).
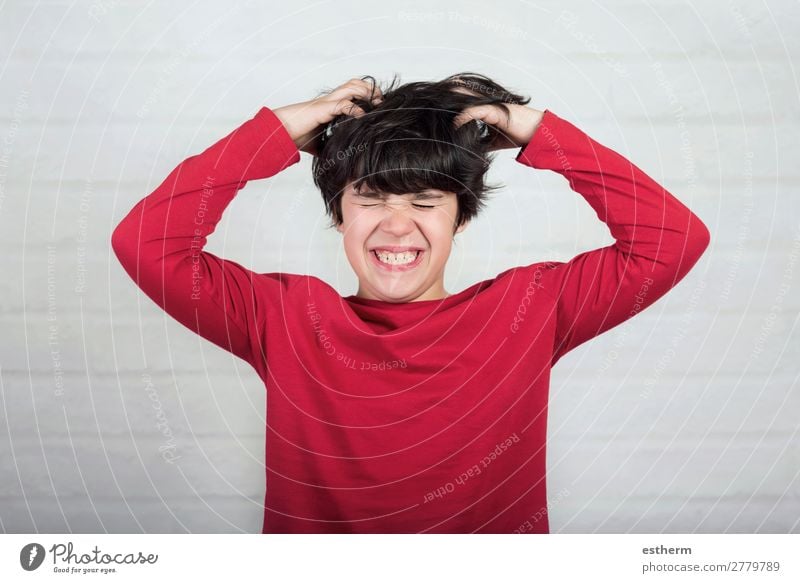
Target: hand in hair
(409, 141)
(514, 130)
(304, 121)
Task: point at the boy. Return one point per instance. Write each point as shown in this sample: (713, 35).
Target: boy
(405, 408)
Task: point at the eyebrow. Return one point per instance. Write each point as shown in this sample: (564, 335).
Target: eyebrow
(417, 195)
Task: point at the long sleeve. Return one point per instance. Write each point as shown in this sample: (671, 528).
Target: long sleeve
(160, 242)
(657, 239)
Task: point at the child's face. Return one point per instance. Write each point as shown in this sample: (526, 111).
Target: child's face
(420, 221)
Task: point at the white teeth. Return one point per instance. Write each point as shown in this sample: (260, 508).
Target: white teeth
(397, 258)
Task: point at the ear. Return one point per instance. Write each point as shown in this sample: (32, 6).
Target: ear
(461, 228)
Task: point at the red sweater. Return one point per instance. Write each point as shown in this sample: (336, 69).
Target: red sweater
(428, 416)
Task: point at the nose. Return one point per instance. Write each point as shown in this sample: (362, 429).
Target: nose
(397, 220)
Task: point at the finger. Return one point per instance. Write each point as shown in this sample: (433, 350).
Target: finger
(488, 114)
(363, 89)
(461, 119)
(340, 99)
(347, 107)
(347, 100)
(373, 89)
(469, 114)
(377, 94)
(347, 91)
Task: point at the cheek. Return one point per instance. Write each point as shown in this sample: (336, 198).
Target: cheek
(361, 220)
(355, 245)
(446, 217)
(440, 229)
(355, 227)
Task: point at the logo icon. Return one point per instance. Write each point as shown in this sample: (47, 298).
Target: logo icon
(31, 556)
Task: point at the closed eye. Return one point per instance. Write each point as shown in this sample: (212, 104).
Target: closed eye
(419, 206)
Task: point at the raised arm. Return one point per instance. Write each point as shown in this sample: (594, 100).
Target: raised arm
(160, 242)
(658, 239)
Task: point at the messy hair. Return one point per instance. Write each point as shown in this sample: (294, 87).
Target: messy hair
(408, 143)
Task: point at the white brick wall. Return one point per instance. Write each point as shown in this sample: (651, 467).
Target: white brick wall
(684, 419)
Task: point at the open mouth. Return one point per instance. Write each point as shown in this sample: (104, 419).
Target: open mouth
(397, 261)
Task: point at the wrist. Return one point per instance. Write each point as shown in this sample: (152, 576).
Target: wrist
(533, 120)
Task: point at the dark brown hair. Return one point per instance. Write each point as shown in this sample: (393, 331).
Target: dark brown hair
(408, 143)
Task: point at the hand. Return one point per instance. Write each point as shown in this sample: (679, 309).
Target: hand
(514, 131)
(305, 120)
